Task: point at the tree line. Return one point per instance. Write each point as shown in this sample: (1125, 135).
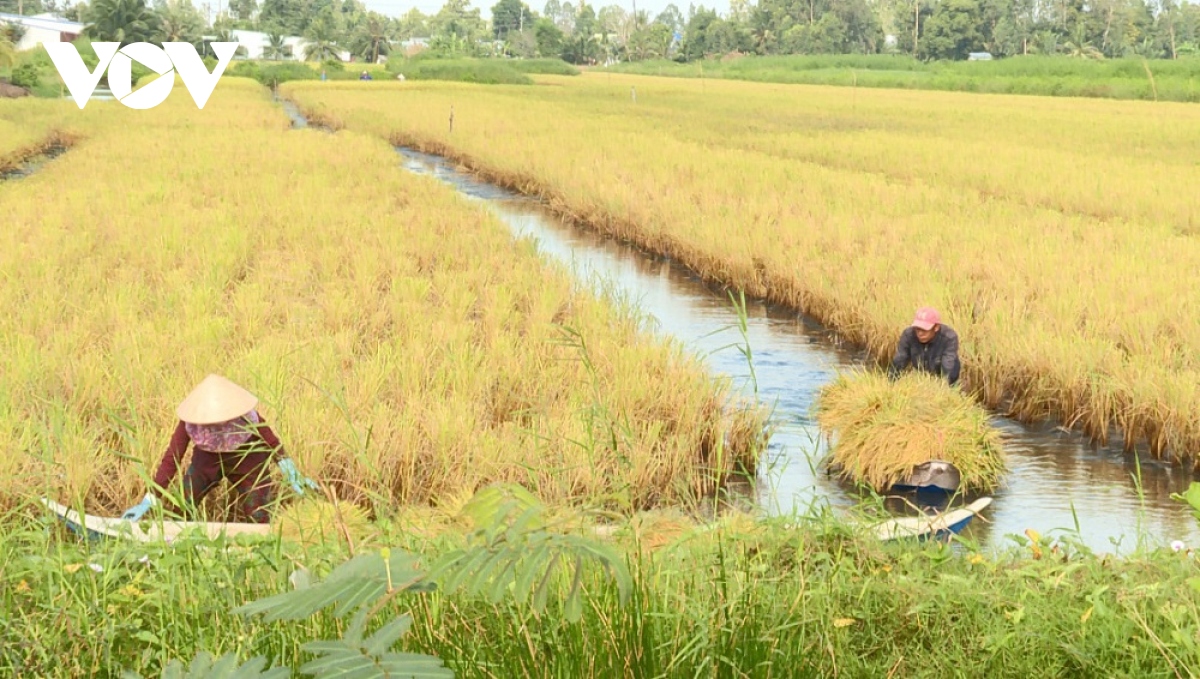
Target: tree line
(584, 34)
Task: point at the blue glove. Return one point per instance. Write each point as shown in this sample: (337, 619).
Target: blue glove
(292, 476)
(137, 511)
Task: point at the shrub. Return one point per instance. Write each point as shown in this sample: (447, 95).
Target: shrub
(27, 75)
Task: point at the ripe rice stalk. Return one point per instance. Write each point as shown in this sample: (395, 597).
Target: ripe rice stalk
(884, 429)
(311, 521)
(404, 346)
(1066, 290)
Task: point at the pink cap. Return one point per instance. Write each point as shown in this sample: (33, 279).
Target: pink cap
(927, 317)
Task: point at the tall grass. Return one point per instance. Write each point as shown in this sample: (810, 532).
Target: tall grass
(1173, 80)
(810, 598)
(479, 71)
(542, 66)
(403, 345)
(1058, 237)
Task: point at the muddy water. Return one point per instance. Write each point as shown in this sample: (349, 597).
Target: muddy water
(32, 165)
(1058, 484)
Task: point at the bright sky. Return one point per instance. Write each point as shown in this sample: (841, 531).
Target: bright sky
(652, 7)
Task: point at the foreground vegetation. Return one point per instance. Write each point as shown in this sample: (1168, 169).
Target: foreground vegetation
(403, 345)
(1130, 78)
(860, 206)
(812, 597)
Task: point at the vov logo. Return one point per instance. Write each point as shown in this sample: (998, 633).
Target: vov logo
(171, 57)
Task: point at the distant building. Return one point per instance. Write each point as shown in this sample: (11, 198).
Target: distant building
(979, 56)
(254, 44)
(42, 28)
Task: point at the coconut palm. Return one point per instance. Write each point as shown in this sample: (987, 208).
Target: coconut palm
(276, 49)
(371, 40)
(123, 21)
(178, 21)
(1079, 46)
(322, 39)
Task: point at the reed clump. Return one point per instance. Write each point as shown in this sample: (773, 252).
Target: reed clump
(884, 429)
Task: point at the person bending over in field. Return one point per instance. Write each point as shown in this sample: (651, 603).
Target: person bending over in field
(928, 346)
(231, 441)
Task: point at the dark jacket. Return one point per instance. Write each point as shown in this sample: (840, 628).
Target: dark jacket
(939, 356)
(258, 451)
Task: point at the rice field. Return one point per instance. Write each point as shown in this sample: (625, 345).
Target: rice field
(1057, 236)
(404, 346)
(30, 127)
(409, 352)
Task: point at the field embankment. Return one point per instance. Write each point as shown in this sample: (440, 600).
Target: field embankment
(1149, 80)
(32, 127)
(1059, 237)
(403, 345)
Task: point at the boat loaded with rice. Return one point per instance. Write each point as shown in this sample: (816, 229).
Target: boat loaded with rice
(913, 434)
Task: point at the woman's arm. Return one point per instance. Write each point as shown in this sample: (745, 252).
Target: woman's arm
(170, 461)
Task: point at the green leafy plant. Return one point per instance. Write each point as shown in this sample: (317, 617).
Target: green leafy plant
(1192, 497)
(226, 667)
(509, 552)
(26, 75)
(516, 551)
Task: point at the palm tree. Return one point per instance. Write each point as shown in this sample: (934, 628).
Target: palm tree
(322, 40)
(123, 21)
(275, 50)
(12, 34)
(179, 22)
(371, 40)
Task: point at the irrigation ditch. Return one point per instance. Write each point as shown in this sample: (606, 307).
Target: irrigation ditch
(25, 162)
(1058, 482)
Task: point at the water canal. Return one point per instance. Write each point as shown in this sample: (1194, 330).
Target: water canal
(1058, 483)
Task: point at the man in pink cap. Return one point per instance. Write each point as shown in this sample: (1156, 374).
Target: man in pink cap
(929, 346)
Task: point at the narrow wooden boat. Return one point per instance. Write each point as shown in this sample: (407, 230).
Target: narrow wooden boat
(98, 527)
(937, 526)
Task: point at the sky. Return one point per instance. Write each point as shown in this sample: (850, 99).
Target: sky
(652, 7)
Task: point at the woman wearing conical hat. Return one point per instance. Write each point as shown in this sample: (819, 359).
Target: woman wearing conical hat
(229, 440)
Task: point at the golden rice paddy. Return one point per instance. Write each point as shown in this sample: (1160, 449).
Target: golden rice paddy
(1059, 237)
(404, 346)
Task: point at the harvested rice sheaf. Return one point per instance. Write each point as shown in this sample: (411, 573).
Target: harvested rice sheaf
(884, 429)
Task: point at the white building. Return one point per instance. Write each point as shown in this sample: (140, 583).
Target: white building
(257, 42)
(42, 28)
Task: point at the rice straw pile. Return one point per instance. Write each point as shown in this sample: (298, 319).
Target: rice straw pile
(885, 429)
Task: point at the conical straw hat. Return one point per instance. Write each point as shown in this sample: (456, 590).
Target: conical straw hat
(214, 400)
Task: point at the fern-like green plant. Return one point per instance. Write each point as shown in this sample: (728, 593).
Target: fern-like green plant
(515, 552)
(204, 667)
(511, 551)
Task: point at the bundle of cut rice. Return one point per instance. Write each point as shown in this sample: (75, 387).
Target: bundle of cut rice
(885, 429)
